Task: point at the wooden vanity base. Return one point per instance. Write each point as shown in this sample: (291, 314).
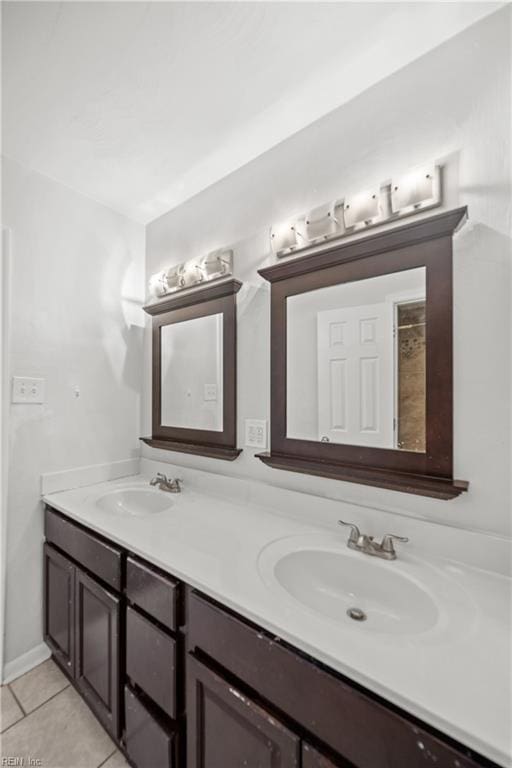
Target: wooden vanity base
(180, 681)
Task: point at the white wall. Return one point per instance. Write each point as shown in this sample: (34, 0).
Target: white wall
(76, 320)
(452, 105)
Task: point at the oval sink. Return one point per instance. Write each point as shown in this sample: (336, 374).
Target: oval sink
(138, 502)
(340, 587)
(401, 597)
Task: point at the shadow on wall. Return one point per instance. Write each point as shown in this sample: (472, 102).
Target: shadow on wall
(482, 269)
(121, 302)
(133, 337)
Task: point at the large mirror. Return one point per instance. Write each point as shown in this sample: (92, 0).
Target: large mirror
(361, 360)
(356, 355)
(194, 371)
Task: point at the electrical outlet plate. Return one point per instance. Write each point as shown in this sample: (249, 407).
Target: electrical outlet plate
(256, 433)
(27, 390)
(210, 392)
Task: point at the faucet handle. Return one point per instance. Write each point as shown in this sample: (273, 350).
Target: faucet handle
(387, 542)
(355, 533)
(177, 482)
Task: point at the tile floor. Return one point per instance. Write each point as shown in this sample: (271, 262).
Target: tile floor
(44, 721)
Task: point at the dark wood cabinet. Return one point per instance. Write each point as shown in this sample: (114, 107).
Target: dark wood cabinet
(59, 586)
(321, 704)
(97, 618)
(101, 642)
(313, 759)
(252, 701)
(226, 728)
(82, 628)
(150, 743)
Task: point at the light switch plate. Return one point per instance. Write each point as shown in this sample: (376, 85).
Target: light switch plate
(27, 390)
(255, 433)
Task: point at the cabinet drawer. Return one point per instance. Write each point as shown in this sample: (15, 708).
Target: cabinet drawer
(102, 559)
(149, 743)
(151, 660)
(332, 710)
(153, 592)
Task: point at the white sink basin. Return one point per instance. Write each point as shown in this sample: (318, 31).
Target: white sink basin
(138, 502)
(332, 584)
(361, 592)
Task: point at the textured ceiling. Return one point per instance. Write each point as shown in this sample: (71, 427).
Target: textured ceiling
(142, 105)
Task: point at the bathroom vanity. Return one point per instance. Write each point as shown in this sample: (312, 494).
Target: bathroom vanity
(179, 678)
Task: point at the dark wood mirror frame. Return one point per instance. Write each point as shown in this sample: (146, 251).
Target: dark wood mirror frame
(424, 243)
(219, 298)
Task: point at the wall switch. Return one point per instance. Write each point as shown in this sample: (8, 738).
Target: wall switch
(255, 433)
(210, 392)
(25, 390)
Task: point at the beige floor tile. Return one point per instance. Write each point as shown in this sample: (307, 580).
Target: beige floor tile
(10, 712)
(62, 733)
(116, 761)
(39, 685)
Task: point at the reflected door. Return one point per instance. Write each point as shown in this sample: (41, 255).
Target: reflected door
(355, 375)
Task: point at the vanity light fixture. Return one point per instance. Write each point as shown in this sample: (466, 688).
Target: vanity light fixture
(214, 266)
(324, 222)
(362, 210)
(158, 284)
(283, 237)
(417, 190)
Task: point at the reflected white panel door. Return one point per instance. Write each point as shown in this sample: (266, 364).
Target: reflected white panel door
(355, 375)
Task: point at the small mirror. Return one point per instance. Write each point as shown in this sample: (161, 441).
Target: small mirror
(356, 356)
(191, 371)
(194, 371)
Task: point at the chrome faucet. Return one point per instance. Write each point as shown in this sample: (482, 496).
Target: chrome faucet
(367, 544)
(166, 484)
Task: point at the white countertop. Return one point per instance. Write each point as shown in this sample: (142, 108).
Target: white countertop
(457, 681)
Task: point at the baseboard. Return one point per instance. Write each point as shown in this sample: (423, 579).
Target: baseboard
(25, 662)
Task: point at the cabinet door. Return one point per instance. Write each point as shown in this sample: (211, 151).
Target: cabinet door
(97, 649)
(225, 728)
(59, 578)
